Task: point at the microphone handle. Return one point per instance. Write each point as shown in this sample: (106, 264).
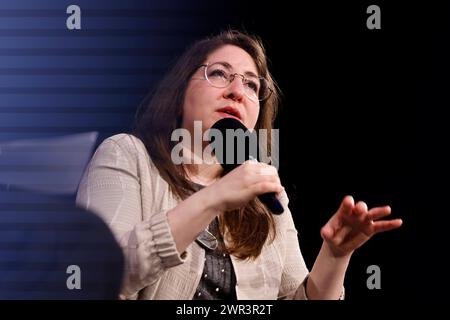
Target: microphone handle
(272, 203)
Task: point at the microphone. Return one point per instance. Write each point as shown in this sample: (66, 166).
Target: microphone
(237, 132)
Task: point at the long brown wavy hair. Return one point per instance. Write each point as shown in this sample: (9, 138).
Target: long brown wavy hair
(248, 228)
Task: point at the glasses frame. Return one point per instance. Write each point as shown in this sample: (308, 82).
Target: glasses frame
(231, 79)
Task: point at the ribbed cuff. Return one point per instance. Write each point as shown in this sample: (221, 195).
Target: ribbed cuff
(164, 242)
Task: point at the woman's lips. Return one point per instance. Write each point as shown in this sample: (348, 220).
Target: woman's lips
(230, 112)
(227, 115)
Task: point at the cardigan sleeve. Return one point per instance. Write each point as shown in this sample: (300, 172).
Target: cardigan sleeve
(111, 188)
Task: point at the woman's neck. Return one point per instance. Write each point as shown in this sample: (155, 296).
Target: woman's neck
(202, 171)
(203, 174)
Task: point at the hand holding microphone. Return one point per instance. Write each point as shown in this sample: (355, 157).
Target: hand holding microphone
(243, 182)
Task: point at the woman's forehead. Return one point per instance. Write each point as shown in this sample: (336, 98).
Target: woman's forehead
(236, 57)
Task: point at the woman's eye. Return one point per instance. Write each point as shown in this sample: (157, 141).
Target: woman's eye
(217, 73)
(252, 85)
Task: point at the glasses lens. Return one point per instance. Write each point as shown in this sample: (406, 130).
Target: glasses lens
(264, 89)
(252, 86)
(217, 75)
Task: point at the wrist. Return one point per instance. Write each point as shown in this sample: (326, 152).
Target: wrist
(335, 253)
(209, 200)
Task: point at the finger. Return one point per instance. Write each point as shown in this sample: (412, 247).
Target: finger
(266, 187)
(265, 169)
(260, 168)
(378, 212)
(335, 236)
(386, 225)
(347, 205)
(280, 195)
(333, 226)
(360, 208)
(259, 178)
(268, 170)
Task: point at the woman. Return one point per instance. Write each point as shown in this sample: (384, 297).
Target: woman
(190, 232)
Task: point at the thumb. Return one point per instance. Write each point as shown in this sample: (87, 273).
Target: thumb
(327, 232)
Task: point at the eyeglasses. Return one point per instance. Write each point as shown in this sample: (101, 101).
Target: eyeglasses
(219, 76)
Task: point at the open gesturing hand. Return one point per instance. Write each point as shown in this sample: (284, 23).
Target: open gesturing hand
(353, 224)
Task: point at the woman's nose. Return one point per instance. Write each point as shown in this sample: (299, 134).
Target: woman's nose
(235, 89)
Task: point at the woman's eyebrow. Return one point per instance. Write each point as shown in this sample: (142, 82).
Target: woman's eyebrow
(230, 67)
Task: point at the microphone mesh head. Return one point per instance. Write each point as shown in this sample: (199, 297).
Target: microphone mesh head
(233, 143)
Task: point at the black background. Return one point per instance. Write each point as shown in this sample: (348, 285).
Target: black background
(362, 115)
